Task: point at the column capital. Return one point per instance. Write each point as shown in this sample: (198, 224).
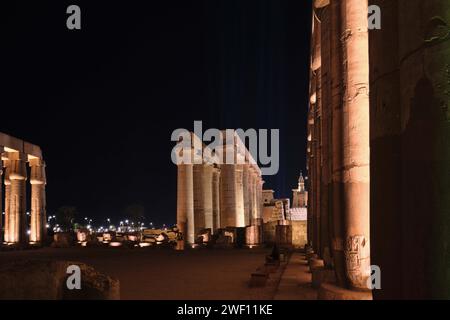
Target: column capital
(17, 169)
(37, 173)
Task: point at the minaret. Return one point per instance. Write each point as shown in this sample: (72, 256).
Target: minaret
(299, 195)
(301, 183)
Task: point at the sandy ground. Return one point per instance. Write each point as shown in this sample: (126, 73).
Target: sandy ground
(148, 273)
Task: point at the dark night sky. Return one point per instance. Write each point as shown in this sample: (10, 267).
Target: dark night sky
(102, 102)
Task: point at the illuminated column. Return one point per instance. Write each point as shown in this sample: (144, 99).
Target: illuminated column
(259, 188)
(246, 185)
(337, 214)
(185, 202)
(250, 195)
(240, 217)
(202, 197)
(7, 183)
(254, 197)
(354, 174)
(207, 178)
(216, 198)
(315, 109)
(310, 168)
(228, 195)
(325, 127)
(17, 177)
(313, 168)
(1, 198)
(253, 214)
(38, 214)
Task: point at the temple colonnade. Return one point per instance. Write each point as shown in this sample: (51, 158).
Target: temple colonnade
(17, 156)
(219, 196)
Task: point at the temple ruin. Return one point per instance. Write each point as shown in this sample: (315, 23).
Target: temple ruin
(220, 196)
(16, 154)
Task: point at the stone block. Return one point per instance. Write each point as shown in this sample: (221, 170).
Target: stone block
(46, 280)
(258, 279)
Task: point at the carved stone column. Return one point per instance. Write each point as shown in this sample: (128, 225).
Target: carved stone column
(17, 177)
(7, 183)
(202, 197)
(337, 214)
(253, 192)
(185, 202)
(38, 210)
(325, 127)
(1, 197)
(240, 215)
(259, 188)
(355, 171)
(207, 178)
(216, 199)
(228, 195)
(246, 186)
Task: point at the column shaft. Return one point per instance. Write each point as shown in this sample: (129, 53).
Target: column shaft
(185, 202)
(216, 199)
(228, 196)
(18, 223)
(240, 215)
(38, 214)
(354, 172)
(246, 186)
(7, 183)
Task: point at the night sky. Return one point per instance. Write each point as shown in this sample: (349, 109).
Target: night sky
(103, 101)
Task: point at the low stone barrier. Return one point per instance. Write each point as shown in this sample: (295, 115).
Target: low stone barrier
(47, 280)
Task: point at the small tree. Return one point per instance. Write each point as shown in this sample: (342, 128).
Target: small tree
(65, 217)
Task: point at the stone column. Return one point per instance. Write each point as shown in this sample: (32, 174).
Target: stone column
(259, 188)
(38, 210)
(317, 69)
(250, 195)
(185, 202)
(216, 199)
(354, 173)
(246, 186)
(240, 215)
(337, 214)
(17, 177)
(203, 215)
(313, 169)
(1, 198)
(207, 178)
(310, 168)
(253, 209)
(228, 195)
(7, 183)
(326, 152)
